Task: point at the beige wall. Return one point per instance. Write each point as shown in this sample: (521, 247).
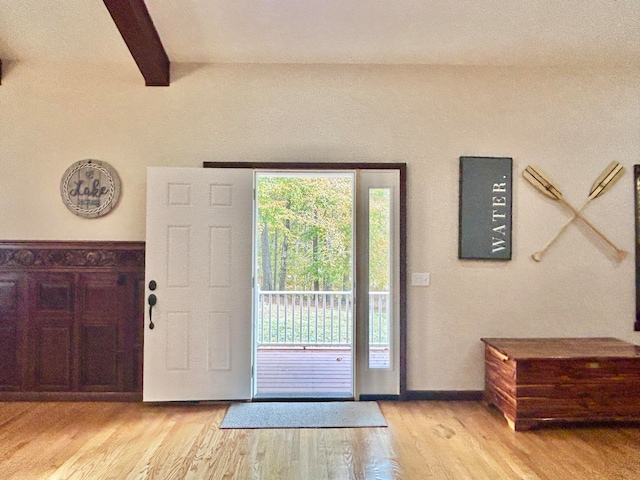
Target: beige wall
(571, 123)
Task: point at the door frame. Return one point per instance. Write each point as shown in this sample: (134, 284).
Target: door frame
(402, 169)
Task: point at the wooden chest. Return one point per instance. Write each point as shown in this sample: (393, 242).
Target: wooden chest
(539, 380)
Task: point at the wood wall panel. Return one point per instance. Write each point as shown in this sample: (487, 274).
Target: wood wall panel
(8, 358)
(9, 298)
(135, 331)
(100, 358)
(53, 358)
(11, 287)
(55, 294)
(71, 320)
(99, 295)
(50, 328)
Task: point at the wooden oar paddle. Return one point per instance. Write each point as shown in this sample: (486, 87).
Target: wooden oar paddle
(542, 183)
(604, 182)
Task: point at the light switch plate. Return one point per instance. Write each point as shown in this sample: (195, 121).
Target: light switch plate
(420, 279)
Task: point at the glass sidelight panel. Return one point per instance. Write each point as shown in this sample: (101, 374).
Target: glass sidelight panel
(380, 249)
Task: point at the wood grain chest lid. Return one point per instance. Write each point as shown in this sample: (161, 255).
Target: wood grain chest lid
(567, 348)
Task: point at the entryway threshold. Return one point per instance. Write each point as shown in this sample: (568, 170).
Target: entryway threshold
(302, 397)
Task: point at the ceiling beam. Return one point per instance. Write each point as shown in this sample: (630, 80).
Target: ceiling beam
(136, 27)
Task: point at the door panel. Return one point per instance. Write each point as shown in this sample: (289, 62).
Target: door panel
(199, 234)
(100, 360)
(11, 319)
(102, 318)
(52, 315)
(375, 375)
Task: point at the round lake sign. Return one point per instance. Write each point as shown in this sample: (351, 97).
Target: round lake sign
(90, 188)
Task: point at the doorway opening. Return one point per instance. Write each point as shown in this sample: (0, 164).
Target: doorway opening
(304, 285)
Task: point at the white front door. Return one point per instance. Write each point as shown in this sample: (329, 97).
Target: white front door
(198, 253)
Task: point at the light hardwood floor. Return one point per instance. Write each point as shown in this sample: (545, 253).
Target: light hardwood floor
(424, 440)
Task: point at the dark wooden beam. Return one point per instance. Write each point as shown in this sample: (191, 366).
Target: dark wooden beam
(0, 72)
(136, 27)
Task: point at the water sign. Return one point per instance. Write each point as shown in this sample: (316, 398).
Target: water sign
(485, 208)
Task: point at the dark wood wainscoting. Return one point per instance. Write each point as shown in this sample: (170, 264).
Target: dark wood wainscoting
(71, 320)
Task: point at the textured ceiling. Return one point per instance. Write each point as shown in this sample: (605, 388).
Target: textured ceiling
(452, 32)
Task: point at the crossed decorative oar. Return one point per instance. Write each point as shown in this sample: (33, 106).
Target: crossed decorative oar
(605, 181)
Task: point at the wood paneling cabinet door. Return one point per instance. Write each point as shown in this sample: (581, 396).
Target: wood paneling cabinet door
(12, 318)
(51, 336)
(105, 347)
(82, 332)
(71, 321)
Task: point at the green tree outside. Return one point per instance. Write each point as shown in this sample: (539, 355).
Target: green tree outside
(305, 234)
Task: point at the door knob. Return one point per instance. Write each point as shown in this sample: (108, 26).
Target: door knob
(151, 300)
